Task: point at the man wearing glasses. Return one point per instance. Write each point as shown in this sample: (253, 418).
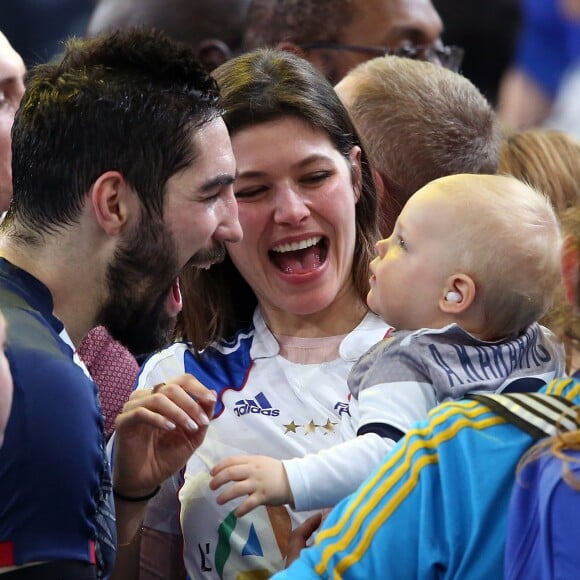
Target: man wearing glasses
(336, 35)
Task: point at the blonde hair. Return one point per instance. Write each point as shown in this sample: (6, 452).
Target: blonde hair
(549, 161)
(559, 444)
(419, 122)
(565, 319)
(509, 243)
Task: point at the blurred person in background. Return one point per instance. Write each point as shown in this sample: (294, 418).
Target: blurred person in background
(38, 28)
(351, 32)
(12, 72)
(213, 28)
(535, 89)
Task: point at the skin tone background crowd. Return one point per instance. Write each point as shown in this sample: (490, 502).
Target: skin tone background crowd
(298, 321)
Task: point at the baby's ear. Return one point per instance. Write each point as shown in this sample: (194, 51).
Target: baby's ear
(458, 294)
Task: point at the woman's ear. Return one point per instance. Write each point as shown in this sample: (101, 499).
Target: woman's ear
(458, 294)
(570, 262)
(355, 162)
(109, 200)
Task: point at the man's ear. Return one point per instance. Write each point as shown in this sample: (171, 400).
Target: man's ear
(570, 262)
(458, 294)
(110, 202)
(289, 46)
(212, 53)
(315, 57)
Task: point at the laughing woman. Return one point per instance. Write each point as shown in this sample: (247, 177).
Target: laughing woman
(276, 327)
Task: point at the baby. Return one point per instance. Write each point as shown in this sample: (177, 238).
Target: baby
(470, 267)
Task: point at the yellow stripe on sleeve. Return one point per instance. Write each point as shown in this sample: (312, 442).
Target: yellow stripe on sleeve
(469, 408)
(558, 386)
(372, 495)
(415, 470)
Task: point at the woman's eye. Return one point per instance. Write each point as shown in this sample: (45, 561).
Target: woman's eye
(249, 192)
(316, 178)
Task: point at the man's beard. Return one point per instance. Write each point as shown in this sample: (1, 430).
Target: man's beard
(206, 258)
(139, 281)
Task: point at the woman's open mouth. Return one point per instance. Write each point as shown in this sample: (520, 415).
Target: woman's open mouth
(300, 257)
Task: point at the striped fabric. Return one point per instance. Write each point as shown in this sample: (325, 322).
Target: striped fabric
(437, 506)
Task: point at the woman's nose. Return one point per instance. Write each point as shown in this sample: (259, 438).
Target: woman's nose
(291, 206)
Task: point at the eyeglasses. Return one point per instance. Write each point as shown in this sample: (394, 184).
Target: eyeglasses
(449, 57)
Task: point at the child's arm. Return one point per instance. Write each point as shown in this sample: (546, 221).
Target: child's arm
(262, 479)
(314, 481)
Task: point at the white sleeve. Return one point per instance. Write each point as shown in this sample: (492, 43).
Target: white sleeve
(162, 366)
(321, 480)
(390, 407)
(384, 413)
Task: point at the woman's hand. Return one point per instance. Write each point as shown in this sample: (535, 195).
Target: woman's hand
(157, 431)
(300, 536)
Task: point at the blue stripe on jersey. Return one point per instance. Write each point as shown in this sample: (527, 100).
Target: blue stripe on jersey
(263, 401)
(223, 367)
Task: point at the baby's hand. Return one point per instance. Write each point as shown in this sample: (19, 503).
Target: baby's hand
(262, 479)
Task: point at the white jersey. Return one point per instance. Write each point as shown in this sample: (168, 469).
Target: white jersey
(266, 405)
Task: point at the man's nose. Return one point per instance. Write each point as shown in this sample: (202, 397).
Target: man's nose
(230, 229)
(429, 24)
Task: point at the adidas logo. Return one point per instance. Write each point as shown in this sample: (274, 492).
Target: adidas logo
(257, 406)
